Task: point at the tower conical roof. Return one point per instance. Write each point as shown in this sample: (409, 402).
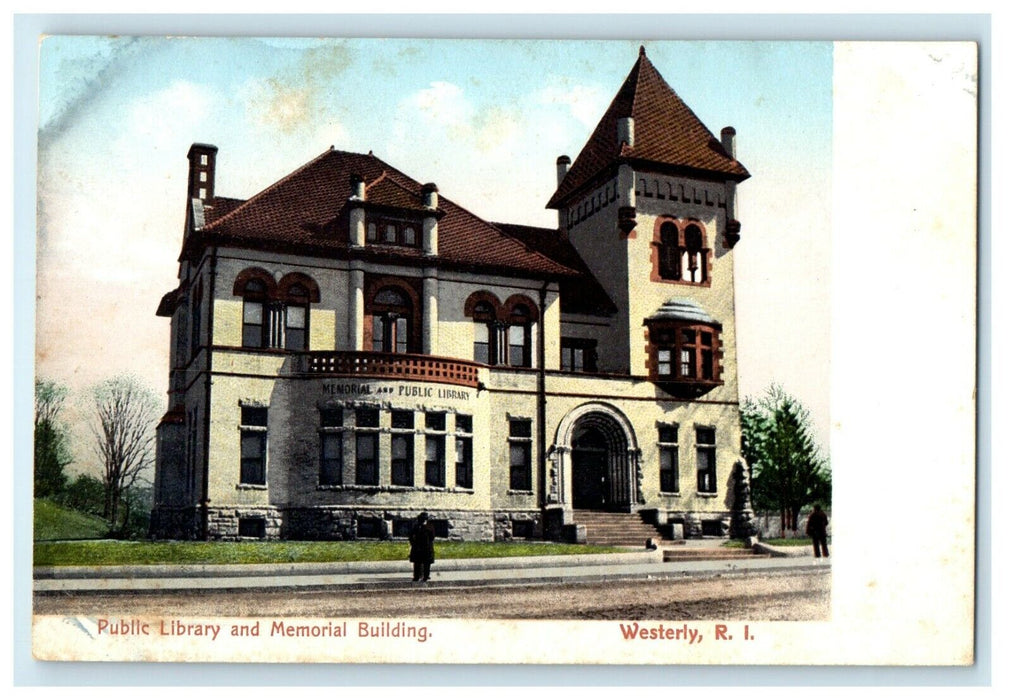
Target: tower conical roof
(666, 133)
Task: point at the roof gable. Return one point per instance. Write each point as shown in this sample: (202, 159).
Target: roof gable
(666, 133)
(307, 207)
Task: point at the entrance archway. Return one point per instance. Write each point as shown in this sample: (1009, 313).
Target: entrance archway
(595, 460)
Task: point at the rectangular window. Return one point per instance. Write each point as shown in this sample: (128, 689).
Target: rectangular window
(579, 355)
(331, 446)
(402, 420)
(664, 363)
(295, 328)
(435, 463)
(331, 458)
(520, 454)
(252, 527)
(517, 346)
(435, 421)
(253, 446)
(688, 363)
(465, 476)
(481, 343)
(402, 459)
(464, 423)
(366, 465)
(367, 418)
(254, 416)
(706, 460)
(667, 439)
(331, 417)
(252, 324)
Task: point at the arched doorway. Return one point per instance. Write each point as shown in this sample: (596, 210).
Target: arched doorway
(599, 459)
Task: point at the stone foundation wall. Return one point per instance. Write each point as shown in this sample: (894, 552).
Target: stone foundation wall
(224, 523)
(518, 525)
(343, 523)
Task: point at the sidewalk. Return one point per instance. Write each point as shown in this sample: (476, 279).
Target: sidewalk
(396, 574)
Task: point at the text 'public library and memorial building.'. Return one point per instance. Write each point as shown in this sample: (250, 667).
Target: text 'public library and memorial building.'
(350, 348)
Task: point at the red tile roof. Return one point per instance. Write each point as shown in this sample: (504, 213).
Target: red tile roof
(665, 132)
(307, 210)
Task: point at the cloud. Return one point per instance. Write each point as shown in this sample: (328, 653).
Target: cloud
(586, 103)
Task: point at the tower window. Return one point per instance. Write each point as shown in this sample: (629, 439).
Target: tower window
(681, 252)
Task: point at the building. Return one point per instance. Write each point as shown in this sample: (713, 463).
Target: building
(350, 348)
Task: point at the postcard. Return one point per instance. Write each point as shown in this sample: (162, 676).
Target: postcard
(505, 351)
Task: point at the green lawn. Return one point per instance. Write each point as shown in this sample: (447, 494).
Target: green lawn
(108, 553)
(54, 522)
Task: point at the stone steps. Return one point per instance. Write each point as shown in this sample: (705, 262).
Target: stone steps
(615, 529)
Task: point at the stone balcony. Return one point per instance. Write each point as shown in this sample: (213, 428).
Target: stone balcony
(386, 365)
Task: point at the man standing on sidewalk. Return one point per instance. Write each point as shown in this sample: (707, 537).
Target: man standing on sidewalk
(818, 521)
(422, 551)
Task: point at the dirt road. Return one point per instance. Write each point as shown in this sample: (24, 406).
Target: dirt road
(781, 596)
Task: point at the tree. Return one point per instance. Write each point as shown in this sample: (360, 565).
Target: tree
(52, 444)
(124, 439)
(788, 472)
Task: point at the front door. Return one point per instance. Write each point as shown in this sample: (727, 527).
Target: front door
(590, 470)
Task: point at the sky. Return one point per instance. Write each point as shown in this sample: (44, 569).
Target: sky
(485, 120)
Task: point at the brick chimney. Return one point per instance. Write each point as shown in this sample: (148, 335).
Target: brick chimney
(201, 183)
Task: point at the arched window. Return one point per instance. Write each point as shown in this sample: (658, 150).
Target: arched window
(694, 254)
(669, 253)
(254, 314)
(682, 255)
(275, 315)
(391, 321)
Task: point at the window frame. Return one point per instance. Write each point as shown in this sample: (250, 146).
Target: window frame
(666, 446)
(402, 469)
(435, 436)
(253, 427)
(588, 349)
(331, 432)
(255, 298)
(376, 227)
(367, 469)
(707, 473)
(395, 323)
(677, 359)
(520, 471)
